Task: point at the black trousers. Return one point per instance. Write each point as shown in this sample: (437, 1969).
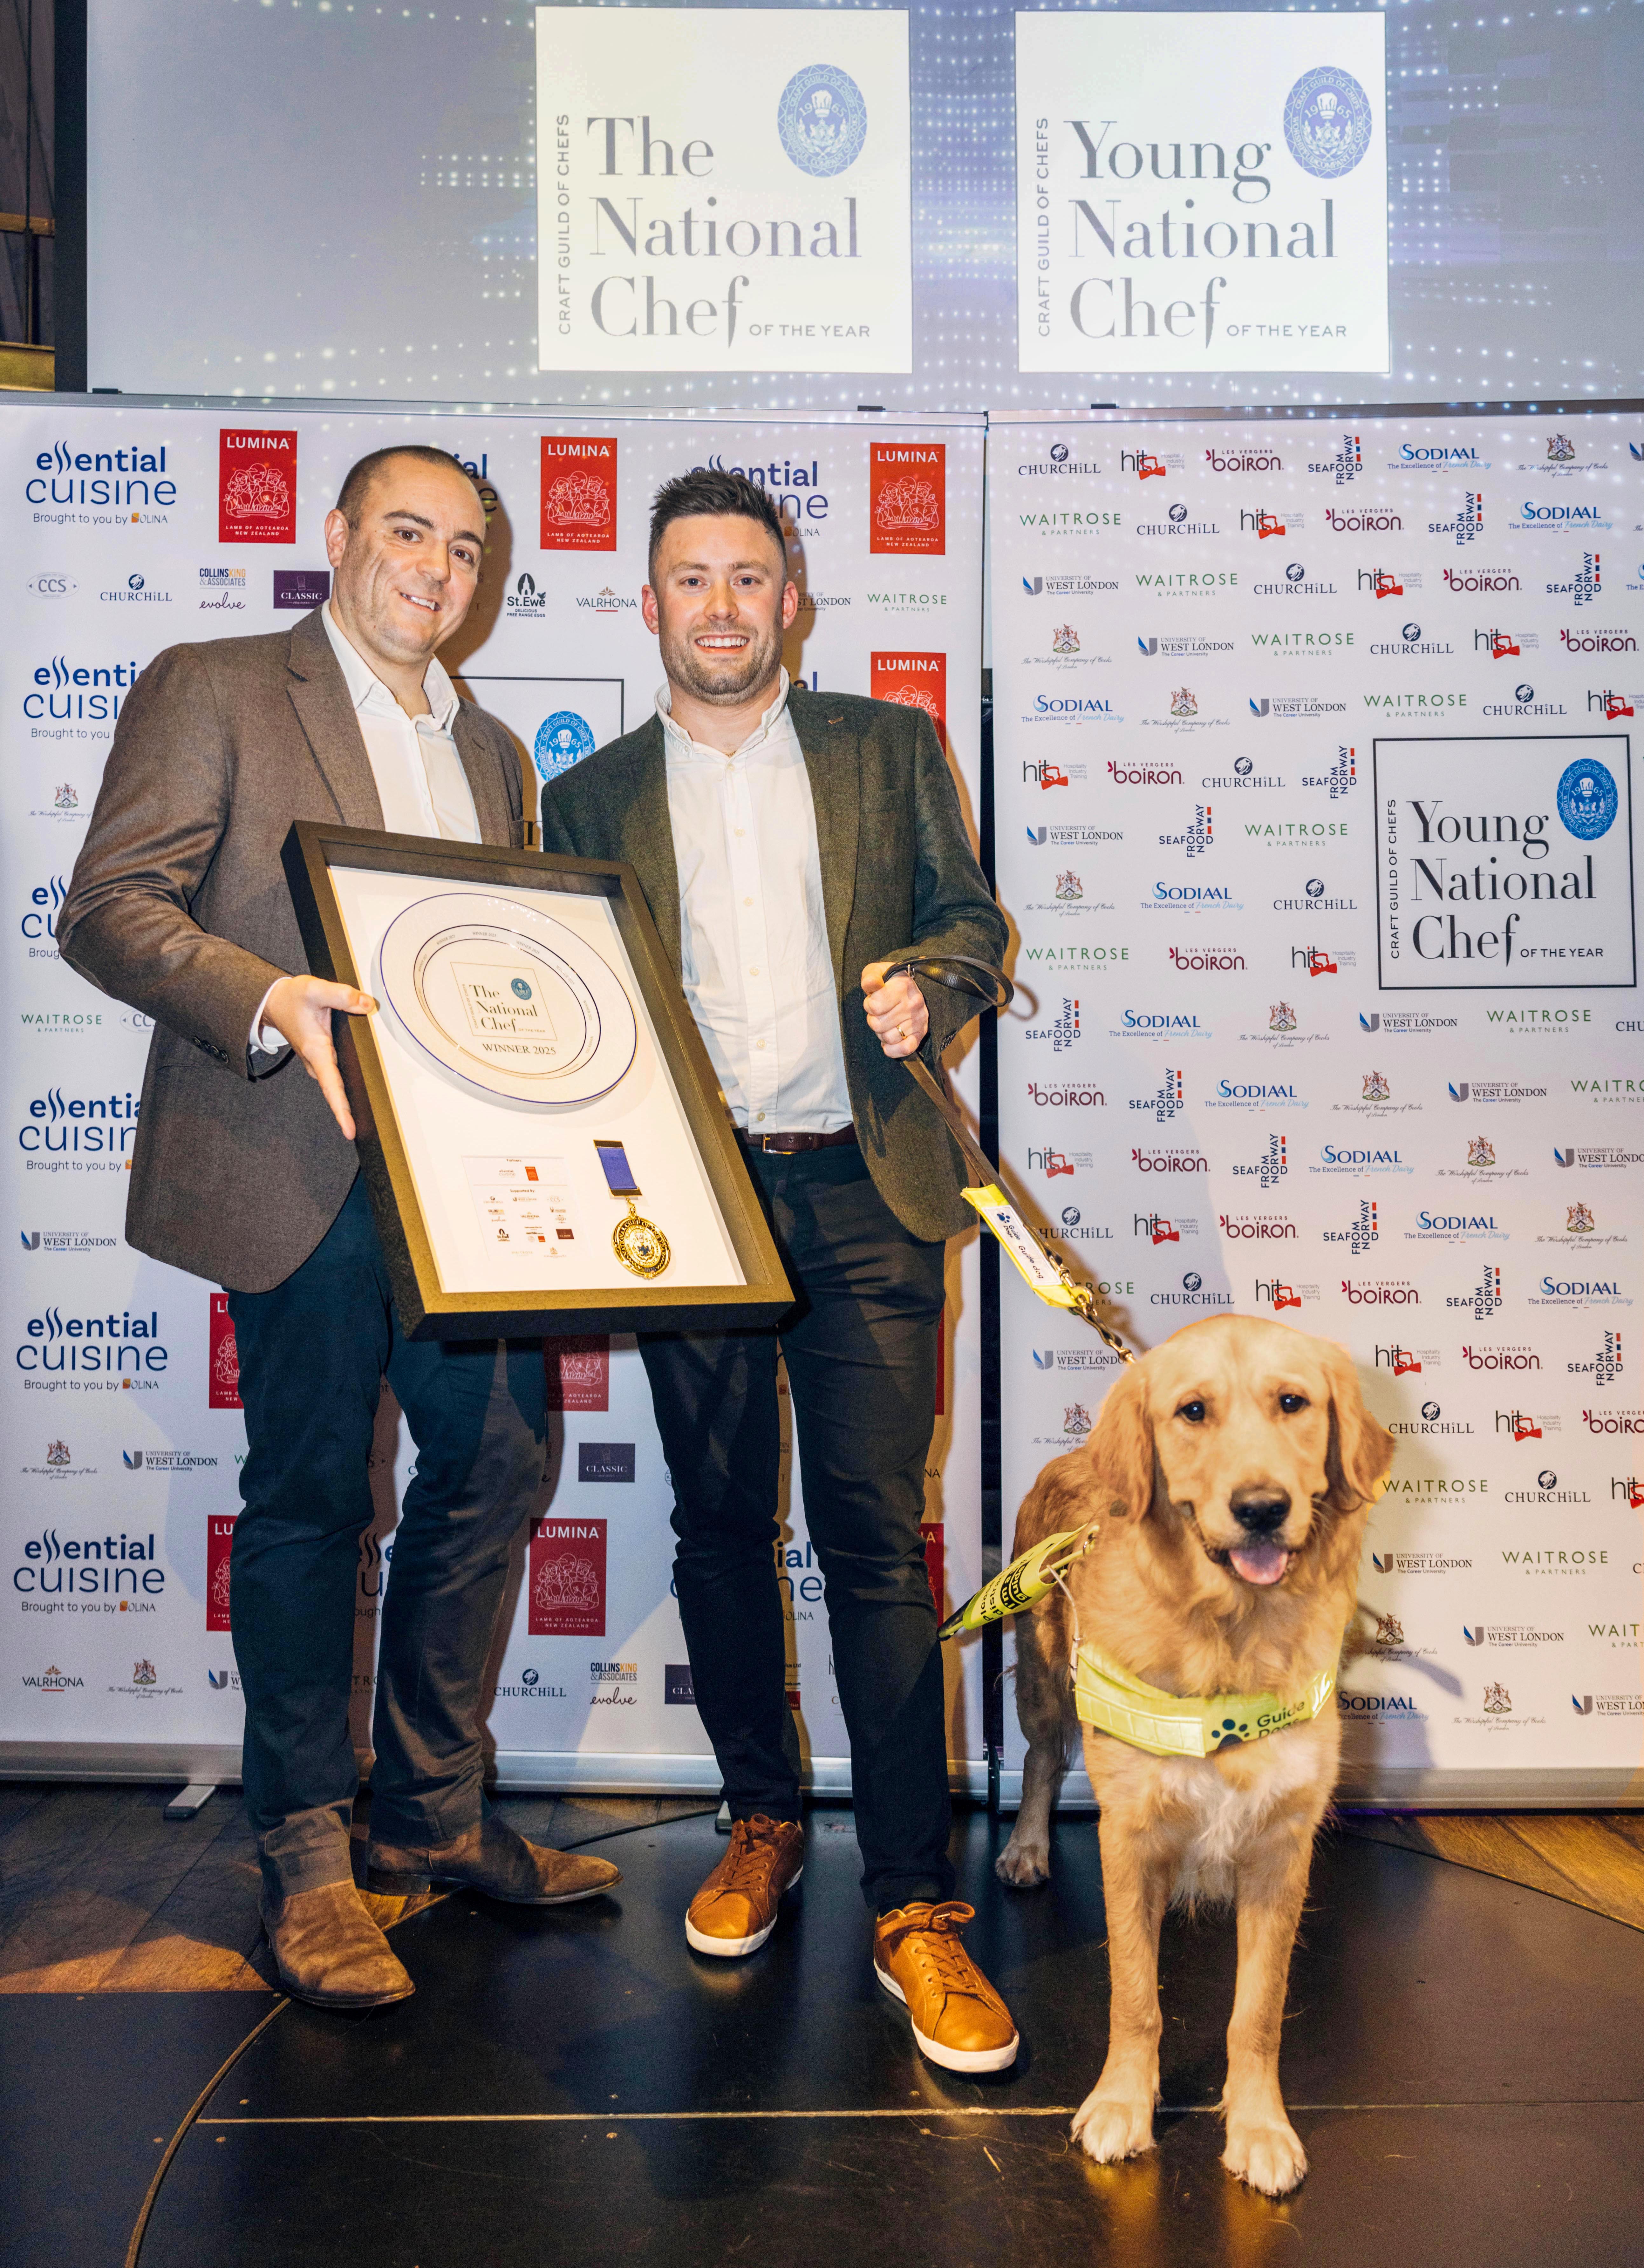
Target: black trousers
(313, 1355)
(860, 1347)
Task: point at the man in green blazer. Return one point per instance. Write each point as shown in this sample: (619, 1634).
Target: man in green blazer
(791, 845)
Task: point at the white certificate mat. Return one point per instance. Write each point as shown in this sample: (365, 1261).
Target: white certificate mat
(512, 1191)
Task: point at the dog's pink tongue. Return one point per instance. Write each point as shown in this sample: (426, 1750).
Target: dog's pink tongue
(1260, 1563)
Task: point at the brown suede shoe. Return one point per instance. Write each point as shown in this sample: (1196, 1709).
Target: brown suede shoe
(328, 1950)
(736, 1910)
(495, 1861)
(959, 2019)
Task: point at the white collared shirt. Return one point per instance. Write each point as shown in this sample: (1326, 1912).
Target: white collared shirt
(415, 761)
(754, 951)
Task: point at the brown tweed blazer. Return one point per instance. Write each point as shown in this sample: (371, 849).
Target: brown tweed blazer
(179, 906)
(898, 877)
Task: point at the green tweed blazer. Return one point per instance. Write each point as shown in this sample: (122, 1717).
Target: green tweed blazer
(898, 877)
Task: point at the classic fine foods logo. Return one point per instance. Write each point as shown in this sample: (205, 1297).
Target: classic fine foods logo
(256, 496)
(914, 680)
(907, 498)
(578, 494)
(567, 1578)
(823, 121)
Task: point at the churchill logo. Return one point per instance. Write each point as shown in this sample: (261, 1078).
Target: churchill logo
(256, 496)
(578, 494)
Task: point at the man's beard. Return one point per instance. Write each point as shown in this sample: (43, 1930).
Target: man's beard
(726, 677)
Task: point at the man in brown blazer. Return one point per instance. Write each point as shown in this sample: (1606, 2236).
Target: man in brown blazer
(245, 1173)
(792, 845)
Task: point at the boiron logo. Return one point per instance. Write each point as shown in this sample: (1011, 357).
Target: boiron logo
(914, 680)
(567, 1578)
(907, 498)
(256, 486)
(579, 493)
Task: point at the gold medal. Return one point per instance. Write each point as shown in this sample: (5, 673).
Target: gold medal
(638, 1243)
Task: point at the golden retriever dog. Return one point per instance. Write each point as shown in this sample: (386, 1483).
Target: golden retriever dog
(1229, 1473)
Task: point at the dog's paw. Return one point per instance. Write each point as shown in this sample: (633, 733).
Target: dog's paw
(1270, 2158)
(1108, 2127)
(1023, 1863)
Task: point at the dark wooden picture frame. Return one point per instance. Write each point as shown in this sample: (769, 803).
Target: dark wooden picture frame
(427, 1311)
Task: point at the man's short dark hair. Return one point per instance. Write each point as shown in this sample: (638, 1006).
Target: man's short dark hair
(714, 495)
(351, 499)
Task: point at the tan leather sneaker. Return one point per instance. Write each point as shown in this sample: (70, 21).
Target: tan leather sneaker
(495, 1861)
(330, 1951)
(736, 1910)
(959, 2019)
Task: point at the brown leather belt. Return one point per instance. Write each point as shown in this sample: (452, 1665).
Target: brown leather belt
(788, 1145)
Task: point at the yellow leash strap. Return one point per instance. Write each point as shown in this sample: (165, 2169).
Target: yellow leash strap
(1177, 1725)
(1021, 1583)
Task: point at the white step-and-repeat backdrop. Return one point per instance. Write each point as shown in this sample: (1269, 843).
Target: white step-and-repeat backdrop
(135, 526)
(1315, 810)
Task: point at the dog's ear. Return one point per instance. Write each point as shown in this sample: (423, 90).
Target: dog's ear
(1121, 1448)
(1360, 1453)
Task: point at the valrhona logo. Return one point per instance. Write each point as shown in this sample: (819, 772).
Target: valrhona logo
(914, 680)
(567, 1578)
(256, 496)
(907, 498)
(579, 493)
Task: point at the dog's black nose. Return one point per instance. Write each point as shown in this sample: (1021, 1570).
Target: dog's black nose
(1261, 1514)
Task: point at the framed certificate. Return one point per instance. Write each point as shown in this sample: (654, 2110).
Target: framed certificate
(544, 1141)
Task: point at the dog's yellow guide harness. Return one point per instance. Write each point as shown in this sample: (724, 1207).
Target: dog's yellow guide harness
(1109, 1696)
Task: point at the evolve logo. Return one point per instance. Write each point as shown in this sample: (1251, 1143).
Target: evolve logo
(1362, 1231)
(1263, 524)
(1388, 582)
(913, 681)
(578, 494)
(1163, 1105)
(256, 486)
(122, 1567)
(64, 691)
(127, 478)
(1063, 1031)
(907, 498)
(39, 923)
(1467, 523)
(795, 488)
(113, 1345)
(1347, 463)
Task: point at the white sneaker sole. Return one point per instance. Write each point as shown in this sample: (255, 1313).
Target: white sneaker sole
(953, 2058)
(732, 1948)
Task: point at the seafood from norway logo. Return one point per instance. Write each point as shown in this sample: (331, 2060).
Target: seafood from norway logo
(1465, 527)
(567, 1578)
(907, 498)
(1603, 1368)
(1062, 1031)
(1484, 1299)
(1270, 1164)
(1347, 463)
(1362, 1231)
(579, 493)
(1196, 837)
(256, 494)
(1585, 586)
(914, 680)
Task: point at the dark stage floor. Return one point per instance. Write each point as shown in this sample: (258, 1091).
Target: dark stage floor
(1464, 2061)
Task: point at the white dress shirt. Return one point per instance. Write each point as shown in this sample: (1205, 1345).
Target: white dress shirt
(421, 784)
(754, 950)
